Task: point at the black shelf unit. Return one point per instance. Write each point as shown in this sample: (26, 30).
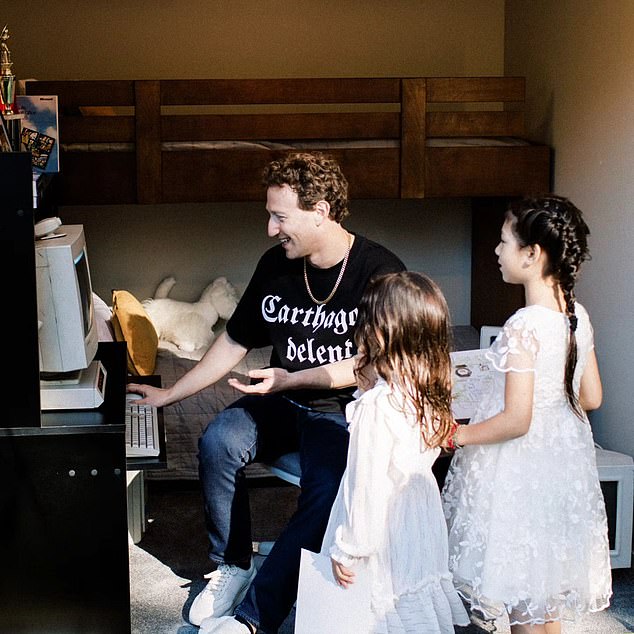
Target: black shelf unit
(20, 389)
(63, 534)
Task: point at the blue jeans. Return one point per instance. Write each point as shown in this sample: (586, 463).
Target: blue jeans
(262, 428)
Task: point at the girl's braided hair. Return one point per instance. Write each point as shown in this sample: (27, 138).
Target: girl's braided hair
(557, 226)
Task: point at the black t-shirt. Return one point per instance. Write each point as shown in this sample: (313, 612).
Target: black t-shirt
(276, 310)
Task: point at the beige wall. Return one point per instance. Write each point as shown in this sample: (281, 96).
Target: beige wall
(134, 248)
(136, 39)
(578, 56)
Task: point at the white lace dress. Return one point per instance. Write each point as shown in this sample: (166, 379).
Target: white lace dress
(388, 513)
(526, 517)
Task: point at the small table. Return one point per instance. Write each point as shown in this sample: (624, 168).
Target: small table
(137, 520)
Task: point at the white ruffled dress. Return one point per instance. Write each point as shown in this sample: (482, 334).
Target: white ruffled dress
(388, 514)
(526, 517)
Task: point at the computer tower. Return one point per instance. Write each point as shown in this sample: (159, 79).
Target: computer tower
(616, 473)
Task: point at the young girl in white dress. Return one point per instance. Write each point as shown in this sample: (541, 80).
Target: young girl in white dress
(388, 512)
(526, 517)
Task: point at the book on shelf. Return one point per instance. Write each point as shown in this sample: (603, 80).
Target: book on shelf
(39, 133)
(5, 139)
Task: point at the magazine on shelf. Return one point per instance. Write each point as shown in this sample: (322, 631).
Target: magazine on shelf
(39, 133)
(5, 139)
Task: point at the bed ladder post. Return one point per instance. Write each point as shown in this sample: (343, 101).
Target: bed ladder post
(147, 98)
(413, 121)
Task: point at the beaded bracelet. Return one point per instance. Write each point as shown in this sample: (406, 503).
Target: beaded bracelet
(451, 441)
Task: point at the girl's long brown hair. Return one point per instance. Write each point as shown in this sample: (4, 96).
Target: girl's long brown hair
(403, 333)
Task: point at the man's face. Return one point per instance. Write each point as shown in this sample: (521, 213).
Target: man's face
(295, 228)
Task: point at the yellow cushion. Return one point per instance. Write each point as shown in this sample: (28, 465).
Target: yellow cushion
(132, 325)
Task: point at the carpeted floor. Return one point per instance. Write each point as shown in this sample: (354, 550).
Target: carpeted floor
(167, 566)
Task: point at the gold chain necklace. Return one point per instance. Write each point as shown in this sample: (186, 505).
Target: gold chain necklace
(339, 278)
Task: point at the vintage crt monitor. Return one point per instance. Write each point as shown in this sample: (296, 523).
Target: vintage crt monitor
(70, 377)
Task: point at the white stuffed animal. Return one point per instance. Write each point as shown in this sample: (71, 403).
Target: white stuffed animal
(188, 325)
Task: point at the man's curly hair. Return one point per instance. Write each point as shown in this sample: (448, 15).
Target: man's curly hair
(313, 177)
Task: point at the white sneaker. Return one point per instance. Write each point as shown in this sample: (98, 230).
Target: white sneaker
(227, 586)
(223, 625)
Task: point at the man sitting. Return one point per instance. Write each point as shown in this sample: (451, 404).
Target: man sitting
(302, 300)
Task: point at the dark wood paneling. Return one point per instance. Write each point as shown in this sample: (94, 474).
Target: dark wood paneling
(90, 129)
(413, 148)
(258, 127)
(475, 89)
(97, 178)
(492, 300)
(148, 141)
(486, 171)
(224, 175)
(372, 173)
(459, 124)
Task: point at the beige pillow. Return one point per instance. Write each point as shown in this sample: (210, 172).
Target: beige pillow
(132, 325)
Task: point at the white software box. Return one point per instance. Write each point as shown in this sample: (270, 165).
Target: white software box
(616, 473)
(88, 393)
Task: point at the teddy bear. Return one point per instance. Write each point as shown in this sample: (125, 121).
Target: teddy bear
(188, 326)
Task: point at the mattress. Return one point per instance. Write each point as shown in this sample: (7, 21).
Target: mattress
(190, 146)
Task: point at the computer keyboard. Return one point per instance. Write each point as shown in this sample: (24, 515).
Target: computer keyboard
(141, 429)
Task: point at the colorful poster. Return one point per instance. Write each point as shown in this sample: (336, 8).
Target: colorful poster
(39, 130)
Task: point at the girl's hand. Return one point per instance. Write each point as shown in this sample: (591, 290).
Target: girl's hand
(343, 576)
(451, 442)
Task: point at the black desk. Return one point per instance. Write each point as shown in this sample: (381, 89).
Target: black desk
(63, 527)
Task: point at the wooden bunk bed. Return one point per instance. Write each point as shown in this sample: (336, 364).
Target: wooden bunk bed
(176, 141)
(167, 141)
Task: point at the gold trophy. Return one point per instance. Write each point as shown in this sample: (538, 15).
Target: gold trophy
(7, 78)
(10, 120)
